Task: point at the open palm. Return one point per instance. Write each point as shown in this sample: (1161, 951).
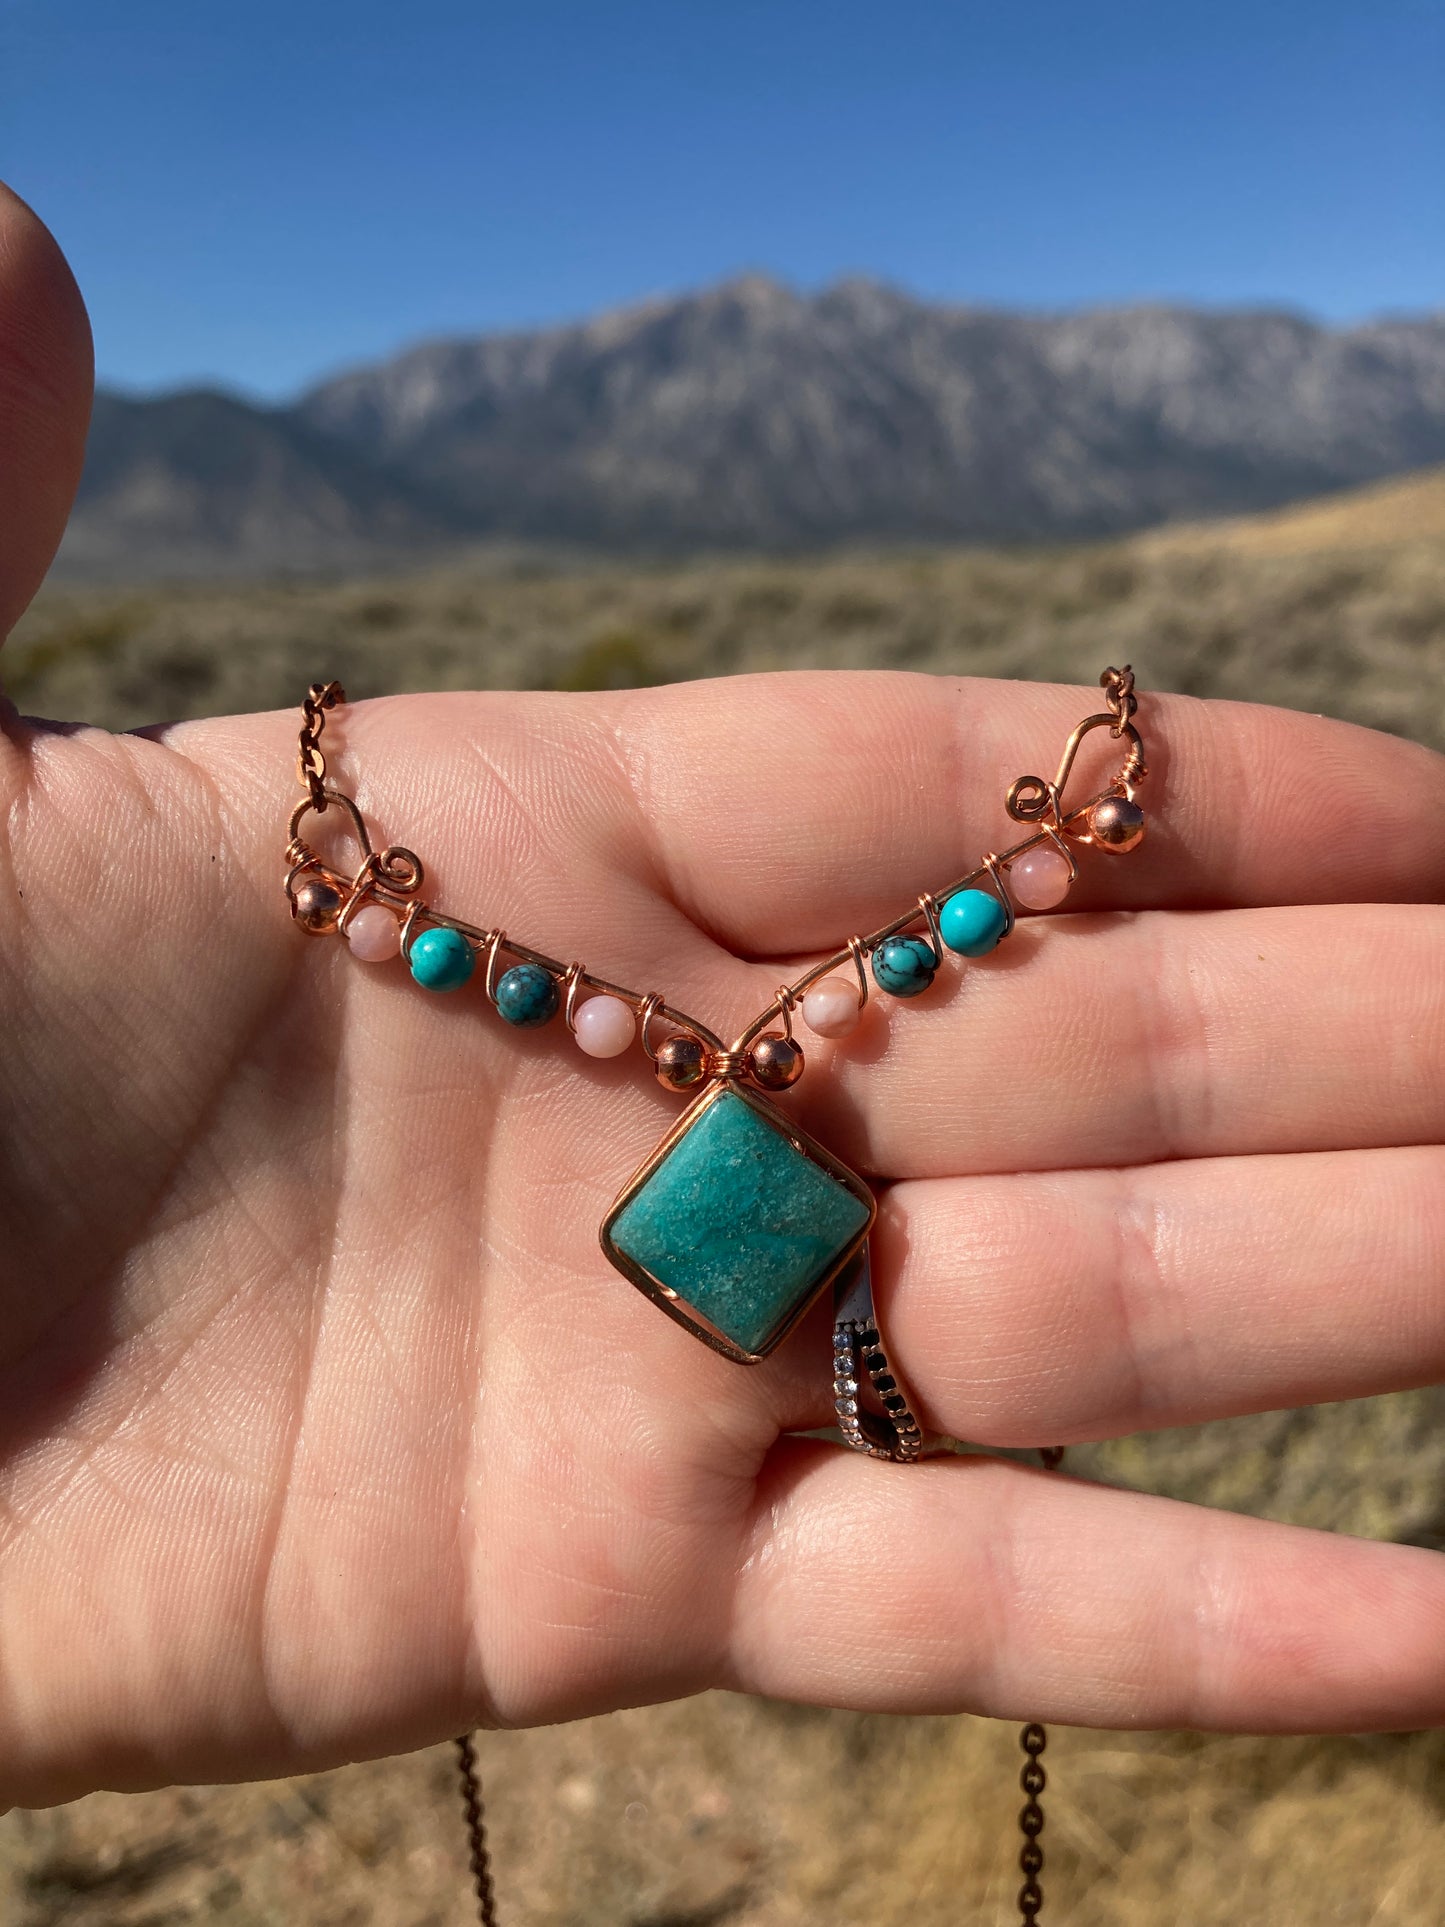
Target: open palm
(325, 1428)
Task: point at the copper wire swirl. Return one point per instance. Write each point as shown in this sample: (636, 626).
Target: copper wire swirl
(1031, 798)
(399, 869)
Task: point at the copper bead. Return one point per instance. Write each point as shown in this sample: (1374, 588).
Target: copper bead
(775, 1061)
(316, 904)
(681, 1063)
(1116, 824)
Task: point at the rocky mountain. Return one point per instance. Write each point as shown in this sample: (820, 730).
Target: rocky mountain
(201, 483)
(751, 415)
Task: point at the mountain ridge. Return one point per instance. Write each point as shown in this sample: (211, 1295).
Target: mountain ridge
(750, 415)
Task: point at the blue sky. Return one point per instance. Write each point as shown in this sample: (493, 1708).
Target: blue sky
(259, 194)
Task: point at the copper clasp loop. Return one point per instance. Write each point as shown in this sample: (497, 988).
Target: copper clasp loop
(1032, 799)
(323, 801)
(302, 861)
(392, 874)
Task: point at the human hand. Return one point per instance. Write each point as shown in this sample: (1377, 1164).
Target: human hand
(325, 1429)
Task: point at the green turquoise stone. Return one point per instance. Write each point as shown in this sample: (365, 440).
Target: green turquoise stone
(527, 996)
(904, 966)
(972, 921)
(739, 1222)
(441, 959)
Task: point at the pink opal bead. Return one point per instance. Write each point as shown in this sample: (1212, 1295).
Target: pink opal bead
(605, 1026)
(832, 1007)
(374, 934)
(1040, 878)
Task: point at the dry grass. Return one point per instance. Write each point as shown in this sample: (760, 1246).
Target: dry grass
(1357, 632)
(745, 1814)
(721, 1810)
(1389, 515)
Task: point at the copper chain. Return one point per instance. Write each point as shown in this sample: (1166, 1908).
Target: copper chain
(1033, 1780)
(1033, 1739)
(311, 769)
(480, 1860)
(310, 763)
(1118, 688)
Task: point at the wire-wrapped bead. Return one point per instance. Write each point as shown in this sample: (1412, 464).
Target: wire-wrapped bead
(904, 966)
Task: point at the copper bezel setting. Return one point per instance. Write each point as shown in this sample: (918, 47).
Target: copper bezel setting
(671, 1301)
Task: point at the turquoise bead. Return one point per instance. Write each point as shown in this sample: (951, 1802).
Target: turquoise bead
(441, 959)
(738, 1222)
(904, 966)
(527, 995)
(972, 921)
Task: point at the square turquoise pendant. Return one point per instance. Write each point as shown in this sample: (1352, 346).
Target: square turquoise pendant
(737, 1221)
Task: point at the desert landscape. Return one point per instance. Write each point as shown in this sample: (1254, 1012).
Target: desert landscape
(720, 1812)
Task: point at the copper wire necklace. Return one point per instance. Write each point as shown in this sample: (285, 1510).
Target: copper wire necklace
(739, 1282)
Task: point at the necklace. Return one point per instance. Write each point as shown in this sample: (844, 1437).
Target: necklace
(739, 1220)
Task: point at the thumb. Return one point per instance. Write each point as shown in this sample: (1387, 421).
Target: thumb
(46, 379)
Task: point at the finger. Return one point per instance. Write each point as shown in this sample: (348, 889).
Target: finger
(1114, 1041)
(787, 811)
(1090, 1304)
(45, 393)
(974, 1584)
